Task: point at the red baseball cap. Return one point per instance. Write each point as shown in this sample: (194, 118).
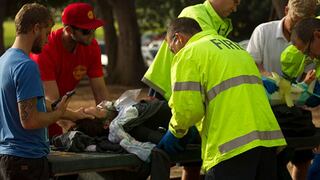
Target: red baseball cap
(80, 15)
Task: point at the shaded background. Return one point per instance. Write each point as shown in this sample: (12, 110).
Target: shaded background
(130, 25)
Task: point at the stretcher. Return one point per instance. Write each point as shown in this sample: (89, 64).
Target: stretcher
(68, 163)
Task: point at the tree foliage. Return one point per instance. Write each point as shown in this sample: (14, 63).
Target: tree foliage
(125, 19)
(156, 14)
(250, 13)
(9, 8)
(13, 6)
(126, 63)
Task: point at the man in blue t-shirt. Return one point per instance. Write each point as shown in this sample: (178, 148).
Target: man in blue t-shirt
(24, 143)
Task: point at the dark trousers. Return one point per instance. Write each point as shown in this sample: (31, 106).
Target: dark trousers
(256, 164)
(17, 168)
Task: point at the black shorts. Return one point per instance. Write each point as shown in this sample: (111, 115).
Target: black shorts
(18, 168)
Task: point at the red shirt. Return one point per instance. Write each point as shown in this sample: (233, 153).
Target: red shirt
(67, 68)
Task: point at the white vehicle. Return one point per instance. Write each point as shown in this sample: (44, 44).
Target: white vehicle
(104, 57)
(148, 52)
(147, 55)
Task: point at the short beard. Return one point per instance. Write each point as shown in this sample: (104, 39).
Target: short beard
(83, 43)
(79, 41)
(36, 47)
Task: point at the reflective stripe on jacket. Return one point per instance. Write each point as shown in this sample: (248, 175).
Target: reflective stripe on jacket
(216, 81)
(158, 74)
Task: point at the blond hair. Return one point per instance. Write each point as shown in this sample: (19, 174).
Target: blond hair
(302, 8)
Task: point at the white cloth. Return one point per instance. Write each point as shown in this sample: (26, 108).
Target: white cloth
(127, 112)
(118, 135)
(266, 45)
(116, 131)
(142, 150)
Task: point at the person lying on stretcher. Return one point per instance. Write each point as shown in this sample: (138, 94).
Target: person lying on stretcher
(137, 126)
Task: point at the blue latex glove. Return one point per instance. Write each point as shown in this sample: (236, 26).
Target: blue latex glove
(190, 137)
(269, 85)
(316, 89)
(313, 100)
(170, 143)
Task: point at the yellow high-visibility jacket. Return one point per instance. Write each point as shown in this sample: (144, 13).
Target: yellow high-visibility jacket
(214, 79)
(158, 74)
(293, 63)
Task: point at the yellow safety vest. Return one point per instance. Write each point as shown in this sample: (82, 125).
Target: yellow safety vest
(293, 63)
(158, 74)
(214, 79)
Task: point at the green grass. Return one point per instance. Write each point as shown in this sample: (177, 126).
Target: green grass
(9, 32)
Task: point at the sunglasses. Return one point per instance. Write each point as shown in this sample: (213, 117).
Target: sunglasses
(83, 31)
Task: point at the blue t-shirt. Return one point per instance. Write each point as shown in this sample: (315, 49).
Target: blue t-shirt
(20, 80)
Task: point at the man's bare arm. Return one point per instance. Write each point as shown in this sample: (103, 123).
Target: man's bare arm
(263, 71)
(31, 118)
(99, 89)
(52, 94)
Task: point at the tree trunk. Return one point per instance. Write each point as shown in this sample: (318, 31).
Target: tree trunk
(130, 66)
(110, 38)
(2, 17)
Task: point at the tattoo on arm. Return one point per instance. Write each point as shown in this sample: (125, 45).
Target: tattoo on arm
(26, 108)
